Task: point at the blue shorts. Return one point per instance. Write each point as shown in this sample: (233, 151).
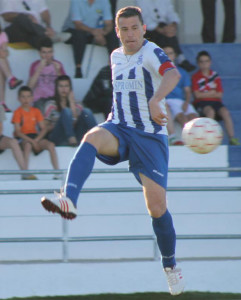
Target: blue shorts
(147, 153)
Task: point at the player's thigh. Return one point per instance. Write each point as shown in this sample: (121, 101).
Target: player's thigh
(155, 196)
(103, 140)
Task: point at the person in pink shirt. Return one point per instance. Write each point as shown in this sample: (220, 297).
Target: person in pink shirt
(44, 71)
(5, 70)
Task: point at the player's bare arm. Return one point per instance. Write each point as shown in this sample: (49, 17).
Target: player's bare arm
(169, 81)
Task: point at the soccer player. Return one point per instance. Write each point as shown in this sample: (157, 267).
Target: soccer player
(135, 130)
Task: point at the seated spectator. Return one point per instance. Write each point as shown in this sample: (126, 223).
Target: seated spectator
(66, 120)
(179, 99)
(161, 21)
(172, 137)
(44, 71)
(99, 97)
(25, 119)
(28, 21)
(89, 22)
(10, 143)
(5, 70)
(208, 92)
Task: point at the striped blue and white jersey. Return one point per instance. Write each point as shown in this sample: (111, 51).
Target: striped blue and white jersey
(135, 79)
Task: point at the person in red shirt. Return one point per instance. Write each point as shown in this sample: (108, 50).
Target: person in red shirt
(25, 120)
(208, 92)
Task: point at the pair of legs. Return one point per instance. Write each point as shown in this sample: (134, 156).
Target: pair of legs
(23, 29)
(11, 143)
(224, 114)
(6, 74)
(100, 141)
(65, 131)
(43, 145)
(214, 110)
(80, 39)
(209, 20)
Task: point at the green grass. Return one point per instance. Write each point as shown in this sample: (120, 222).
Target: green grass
(143, 296)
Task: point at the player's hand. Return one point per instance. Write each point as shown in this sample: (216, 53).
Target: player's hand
(157, 114)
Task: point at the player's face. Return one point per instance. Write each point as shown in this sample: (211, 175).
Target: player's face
(204, 63)
(131, 32)
(47, 54)
(26, 98)
(63, 88)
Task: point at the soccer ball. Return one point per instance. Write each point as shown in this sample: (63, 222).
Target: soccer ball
(202, 135)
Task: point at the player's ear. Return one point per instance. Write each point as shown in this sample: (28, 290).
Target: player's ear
(117, 32)
(144, 28)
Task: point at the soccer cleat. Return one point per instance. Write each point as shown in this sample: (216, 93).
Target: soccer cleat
(175, 280)
(60, 204)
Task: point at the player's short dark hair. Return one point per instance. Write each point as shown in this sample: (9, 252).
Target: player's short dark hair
(24, 88)
(45, 42)
(202, 53)
(127, 12)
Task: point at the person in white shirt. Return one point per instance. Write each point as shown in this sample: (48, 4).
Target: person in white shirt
(162, 22)
(28, 21)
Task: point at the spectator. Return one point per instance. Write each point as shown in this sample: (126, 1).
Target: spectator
(209, 21)
(161, 21)
(179, 99)
(44, 71)
(25, 120)
(5, 70)
(67, 121)
(173, 140)
(89, 22)
(10, 143)
(208, 92)
(28, 21)
(100, 94)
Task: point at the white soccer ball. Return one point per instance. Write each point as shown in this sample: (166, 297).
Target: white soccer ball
(202, 135)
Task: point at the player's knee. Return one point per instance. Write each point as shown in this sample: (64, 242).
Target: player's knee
(156, 210)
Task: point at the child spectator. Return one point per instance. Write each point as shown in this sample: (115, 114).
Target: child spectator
(10, 143)
(178, 101)
(25, 120)
(67, 121)
(208, 92)
(44, 71)
(5, 70)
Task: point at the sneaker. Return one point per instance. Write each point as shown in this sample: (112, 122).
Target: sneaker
(60, 204)
(6, 109)
(175, 142)
(29, 177)
(61, 37)
(175, 280)
(14, 82)
(186, 65)
(234, 142)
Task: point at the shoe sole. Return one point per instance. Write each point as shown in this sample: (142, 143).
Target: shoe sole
(14, 87)
(51, 207)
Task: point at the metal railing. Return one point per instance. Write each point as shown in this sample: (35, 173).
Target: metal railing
(65, 239)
